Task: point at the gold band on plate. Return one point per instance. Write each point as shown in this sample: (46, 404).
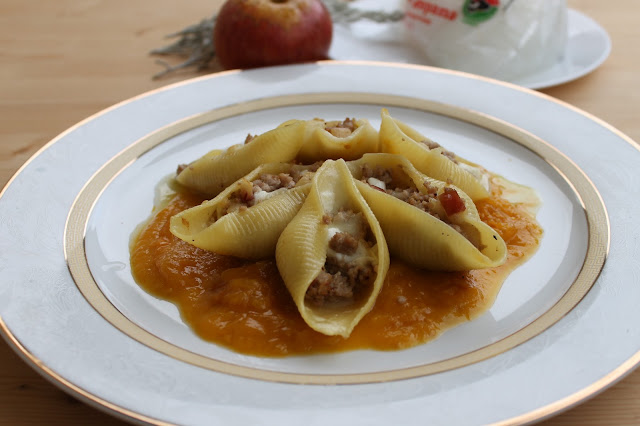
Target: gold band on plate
(534, 415)
(597, 222)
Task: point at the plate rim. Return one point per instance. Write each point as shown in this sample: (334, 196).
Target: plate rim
(540, 413)
(588, 196)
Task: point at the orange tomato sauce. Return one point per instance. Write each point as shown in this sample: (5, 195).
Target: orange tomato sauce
(246, 307)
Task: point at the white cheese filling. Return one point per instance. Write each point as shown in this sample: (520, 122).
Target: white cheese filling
(262, 195)
(362, 255)
(377, 183)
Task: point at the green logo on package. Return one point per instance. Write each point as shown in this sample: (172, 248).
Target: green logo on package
(477, 11)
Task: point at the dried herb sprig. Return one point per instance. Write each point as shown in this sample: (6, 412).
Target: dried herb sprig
(195, 42)
(342, 12)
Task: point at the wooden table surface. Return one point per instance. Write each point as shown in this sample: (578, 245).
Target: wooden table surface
(63, 60)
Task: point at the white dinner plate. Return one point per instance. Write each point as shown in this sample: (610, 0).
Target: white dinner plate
(559, 332)
(588, 46)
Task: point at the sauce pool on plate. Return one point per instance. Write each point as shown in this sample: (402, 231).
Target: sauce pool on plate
(244, 305)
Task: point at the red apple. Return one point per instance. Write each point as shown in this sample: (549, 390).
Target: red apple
(257, 33)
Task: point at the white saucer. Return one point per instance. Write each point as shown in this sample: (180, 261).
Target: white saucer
(587, 48)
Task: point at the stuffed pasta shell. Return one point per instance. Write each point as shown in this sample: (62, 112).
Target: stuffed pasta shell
(347, 139)
(332, 256)
(427, 223)
(246, 219)
(216, 170)
(432, 159)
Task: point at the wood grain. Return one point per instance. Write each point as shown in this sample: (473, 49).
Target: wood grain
(64, 60)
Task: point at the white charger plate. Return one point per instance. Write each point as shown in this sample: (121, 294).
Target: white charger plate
(132, 356)
(588, 46)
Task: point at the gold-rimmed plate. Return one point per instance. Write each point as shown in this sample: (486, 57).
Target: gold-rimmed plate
(136, 342)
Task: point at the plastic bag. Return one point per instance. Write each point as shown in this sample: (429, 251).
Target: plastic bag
(504, 39)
